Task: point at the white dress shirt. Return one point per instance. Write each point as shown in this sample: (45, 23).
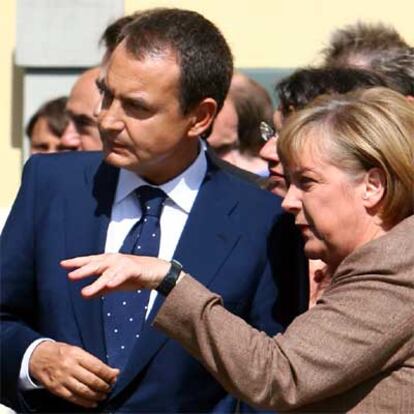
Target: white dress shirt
(181, 193)
(126, 211)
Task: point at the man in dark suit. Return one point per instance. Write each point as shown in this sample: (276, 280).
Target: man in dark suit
(163, 86)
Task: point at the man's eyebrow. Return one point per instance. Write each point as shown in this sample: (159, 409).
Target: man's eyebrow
(138, 100)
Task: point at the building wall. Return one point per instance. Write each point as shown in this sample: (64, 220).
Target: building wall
(10, 153)
(262, 33)
(287, 33)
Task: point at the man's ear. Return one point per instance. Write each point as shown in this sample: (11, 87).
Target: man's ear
(202, 117)
(374, 188)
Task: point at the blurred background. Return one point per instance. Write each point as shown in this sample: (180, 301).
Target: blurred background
(45, 44)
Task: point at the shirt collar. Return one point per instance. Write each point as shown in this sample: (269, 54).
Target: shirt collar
(182, 190)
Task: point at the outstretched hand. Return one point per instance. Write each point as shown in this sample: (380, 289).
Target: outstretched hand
(116, 271)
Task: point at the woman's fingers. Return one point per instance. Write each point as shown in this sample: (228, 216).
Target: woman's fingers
(116, 271)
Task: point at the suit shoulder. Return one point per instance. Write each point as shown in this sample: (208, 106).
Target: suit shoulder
(66, 160)
(61, 169)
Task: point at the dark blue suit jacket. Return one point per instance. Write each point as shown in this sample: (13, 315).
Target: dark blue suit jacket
(62, 210)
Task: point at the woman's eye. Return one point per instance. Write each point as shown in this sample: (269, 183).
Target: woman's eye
(306, 182)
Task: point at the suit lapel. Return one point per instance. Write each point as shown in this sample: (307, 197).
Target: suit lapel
(207, 239)
(88, 220)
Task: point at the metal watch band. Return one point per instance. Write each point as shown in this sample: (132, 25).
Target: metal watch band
(170, 278)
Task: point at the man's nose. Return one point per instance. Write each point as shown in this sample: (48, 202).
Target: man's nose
(268, 152)
(110, 119)
(292, 202)
(70, 139)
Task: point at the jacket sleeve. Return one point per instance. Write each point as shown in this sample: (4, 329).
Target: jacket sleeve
(18, 297)
(324, 352)
(265, 311)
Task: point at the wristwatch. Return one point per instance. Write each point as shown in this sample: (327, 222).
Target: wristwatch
(170, 279)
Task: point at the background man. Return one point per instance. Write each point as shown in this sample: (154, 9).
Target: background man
(236, 131)
(157, 190)
(375, 47)
(82, 132)
(359, 44)
(46, 127)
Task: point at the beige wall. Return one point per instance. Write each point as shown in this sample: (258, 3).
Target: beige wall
(10, 158)
(287, 33)
(275, 33)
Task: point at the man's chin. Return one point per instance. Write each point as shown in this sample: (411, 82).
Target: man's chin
(276, 186)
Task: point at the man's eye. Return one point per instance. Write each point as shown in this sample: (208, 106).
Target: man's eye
(136, 109)
(106, 99)
(100, 85)
(135, 106)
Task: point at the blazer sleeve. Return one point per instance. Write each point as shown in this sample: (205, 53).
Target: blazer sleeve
(348, 337)
(17, 298)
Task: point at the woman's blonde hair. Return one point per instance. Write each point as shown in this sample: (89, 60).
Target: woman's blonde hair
(371, 128)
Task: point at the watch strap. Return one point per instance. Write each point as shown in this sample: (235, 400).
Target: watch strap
(170, 279)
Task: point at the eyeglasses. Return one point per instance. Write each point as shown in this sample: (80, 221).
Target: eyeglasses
(266, 131)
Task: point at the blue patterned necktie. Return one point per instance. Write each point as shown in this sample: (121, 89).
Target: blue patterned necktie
(124, 312)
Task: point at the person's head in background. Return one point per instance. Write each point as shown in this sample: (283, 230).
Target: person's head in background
(82, 134)
(83, 107)
(359, 44)
(350, 163)
(397, 67)
(296, 91)
(235, 136)
(46, 127)
(375, 47)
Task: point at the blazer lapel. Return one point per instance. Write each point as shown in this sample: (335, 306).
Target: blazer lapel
(209, 235)
(207, 240)
(88, 220)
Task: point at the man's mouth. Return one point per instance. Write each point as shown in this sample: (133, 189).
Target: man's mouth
(276, 174)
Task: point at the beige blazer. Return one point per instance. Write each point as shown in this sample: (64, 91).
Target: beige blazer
(352, 352)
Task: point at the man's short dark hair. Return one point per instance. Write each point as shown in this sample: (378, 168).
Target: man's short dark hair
(298, 89)
(56, 117)
(203, 55)
(358, 44)
(111, 36)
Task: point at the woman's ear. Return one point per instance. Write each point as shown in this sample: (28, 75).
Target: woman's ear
(374, 187)
(202, 117)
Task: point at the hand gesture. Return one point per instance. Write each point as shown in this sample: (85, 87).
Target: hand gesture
(116, 271)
